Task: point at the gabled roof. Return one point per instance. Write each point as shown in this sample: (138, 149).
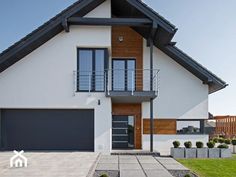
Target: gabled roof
(120, 8)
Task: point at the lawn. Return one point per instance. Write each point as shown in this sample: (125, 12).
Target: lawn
(212, 167)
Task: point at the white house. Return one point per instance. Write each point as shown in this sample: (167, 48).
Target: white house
(102, 75)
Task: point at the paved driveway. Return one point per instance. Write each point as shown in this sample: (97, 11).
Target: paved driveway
(61, 164)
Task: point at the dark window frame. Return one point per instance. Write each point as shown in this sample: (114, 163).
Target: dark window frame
(126, 59)
(186, 120)
(106, 65)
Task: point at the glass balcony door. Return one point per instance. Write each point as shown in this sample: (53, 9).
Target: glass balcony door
(123, 74)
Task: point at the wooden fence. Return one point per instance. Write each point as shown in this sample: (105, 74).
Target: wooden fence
(225, 125)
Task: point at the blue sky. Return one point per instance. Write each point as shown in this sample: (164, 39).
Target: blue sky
(207, 32)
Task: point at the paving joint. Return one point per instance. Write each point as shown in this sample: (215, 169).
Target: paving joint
(141, 167)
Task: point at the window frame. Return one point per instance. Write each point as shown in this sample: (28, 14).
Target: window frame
(191, 120)
(106, 65)
(126, 59)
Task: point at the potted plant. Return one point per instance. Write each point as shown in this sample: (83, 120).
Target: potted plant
(234, 145)
(213, 152)
(224, 151)
(202, 152)
(227, 141)
(189, 151)
(215, 139)
(221, 140)
(176, 151)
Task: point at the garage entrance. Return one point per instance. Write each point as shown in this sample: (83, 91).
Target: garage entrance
(34, 129)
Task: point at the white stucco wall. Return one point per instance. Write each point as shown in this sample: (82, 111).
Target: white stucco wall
(181, 94)
(44, 78)
(163, 143)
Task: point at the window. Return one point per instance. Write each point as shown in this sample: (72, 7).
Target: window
(190, 126)
(123, 74)
(91, 69)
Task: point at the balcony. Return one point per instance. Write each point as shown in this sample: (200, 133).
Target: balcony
(122, 85)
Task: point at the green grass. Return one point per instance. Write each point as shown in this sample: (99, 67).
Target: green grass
(211, 167)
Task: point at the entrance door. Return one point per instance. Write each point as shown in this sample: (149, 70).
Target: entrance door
(122, 132)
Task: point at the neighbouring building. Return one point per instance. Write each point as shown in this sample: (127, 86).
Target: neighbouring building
(102, 75)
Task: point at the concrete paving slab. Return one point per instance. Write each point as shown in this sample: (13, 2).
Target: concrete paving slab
(152, 166)
(108, 161)
(132, 173)
(121, 161)
(107, 166)
(49, 164)
(147, 160)
(157, 173)
(129, 157)
(132, 166)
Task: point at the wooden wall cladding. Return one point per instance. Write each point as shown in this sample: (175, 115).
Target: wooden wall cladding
(132, 110)
(130, 47)
(161, 126)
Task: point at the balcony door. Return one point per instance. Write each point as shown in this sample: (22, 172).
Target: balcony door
(123, 74)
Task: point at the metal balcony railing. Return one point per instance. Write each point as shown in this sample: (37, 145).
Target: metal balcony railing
(127, 80)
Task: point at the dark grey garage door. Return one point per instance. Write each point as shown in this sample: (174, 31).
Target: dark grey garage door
(23, 129)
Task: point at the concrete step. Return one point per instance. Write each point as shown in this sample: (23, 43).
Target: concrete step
(135, 152)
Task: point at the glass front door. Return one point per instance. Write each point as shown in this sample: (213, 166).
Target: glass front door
(123, 132)
(123, 74)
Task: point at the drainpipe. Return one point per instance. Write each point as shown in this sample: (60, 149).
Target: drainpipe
(1, 130)
(151, 100)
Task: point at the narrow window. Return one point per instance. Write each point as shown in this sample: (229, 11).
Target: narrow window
(91, 69)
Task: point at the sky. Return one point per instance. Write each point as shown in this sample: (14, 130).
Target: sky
(206, 32)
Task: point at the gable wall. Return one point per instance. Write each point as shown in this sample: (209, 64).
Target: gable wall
(181, 94)
(44, 78)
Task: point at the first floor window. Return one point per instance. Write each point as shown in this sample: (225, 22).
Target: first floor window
(189, 126)
(91, 66)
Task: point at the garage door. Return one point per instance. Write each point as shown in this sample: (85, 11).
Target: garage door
(23, 129)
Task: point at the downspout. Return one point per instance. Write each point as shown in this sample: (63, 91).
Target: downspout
(151, 100)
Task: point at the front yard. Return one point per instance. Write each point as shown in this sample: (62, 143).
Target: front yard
(212, 167)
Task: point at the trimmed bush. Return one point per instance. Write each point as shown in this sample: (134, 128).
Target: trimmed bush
(227, 141)
(211, 144)
(176, 144)
(188, 144)
(187, 175)
(215, 139)
(104, 175)
(233, 142)
(199, 144)
(221, 140)
(223, 146)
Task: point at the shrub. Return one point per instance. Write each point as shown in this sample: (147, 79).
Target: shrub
(227, 141)
(221, 140)
(199, 144)
(233, 141)
(215, 139)
(104, 175)
(188, 144)
(187, 175)
(176, 144)
(223, 146)
(211, 144)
